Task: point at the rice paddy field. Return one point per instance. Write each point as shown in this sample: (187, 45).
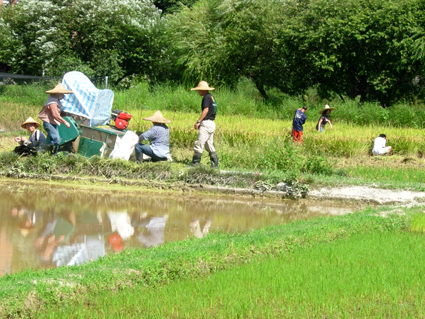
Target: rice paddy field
(368, 264)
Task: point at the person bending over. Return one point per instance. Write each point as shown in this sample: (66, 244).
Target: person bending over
(379, 146)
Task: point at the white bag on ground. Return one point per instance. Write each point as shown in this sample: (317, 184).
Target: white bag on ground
(124, 146)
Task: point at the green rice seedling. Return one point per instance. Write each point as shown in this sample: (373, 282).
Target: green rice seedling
(418, 223)
(364, 275)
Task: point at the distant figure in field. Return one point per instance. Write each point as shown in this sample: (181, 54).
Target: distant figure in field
(34, 142)
(297, 124)
(324, 118)
(379, 147)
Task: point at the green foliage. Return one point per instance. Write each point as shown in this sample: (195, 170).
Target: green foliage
(84, 35)
(318, 165)
(418, 223)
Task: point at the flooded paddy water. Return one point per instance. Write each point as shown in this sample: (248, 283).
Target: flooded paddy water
(47, 226)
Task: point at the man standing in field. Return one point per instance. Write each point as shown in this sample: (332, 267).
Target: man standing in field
(297, 124)
(379, 147)
(206, 126)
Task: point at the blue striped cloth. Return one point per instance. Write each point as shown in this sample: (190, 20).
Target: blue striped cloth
(87, 101)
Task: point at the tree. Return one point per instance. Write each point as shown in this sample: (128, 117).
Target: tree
(357, 47)
(93, 36)
(224, 40)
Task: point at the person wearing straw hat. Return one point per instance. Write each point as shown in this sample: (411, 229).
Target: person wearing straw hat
(50, 115)
(324, 118)
(35, 141)
(159, 137)
(205, 125)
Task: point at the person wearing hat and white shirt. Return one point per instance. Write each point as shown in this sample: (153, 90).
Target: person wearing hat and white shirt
(50, 115)
(206, 126)
(35, 141)
(159, 137)
(324, 118)
(379, 146)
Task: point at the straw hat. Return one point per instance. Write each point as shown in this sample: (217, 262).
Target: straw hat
(202, 86)
(157, 118)
(30, 120)
(59, 89)
(326, 108)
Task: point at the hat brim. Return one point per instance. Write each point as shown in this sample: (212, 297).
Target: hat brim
(328, 109)
(59, 92)
(23, 125)
(30, 120)
(202, 89)
(157, 120)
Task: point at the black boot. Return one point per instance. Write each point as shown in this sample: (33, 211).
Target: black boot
(196, 159)
(139, 158)
(55, 150)
(214, 160)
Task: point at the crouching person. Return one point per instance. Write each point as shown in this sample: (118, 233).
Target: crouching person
(34, 143)
(159, 137)
(379, 146)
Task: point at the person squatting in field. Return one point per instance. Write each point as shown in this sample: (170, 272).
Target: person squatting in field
(297, 124)
(205, 125)
(159, 137)
(324, 118)
(32, 144)
(50, 115)
(379, 146)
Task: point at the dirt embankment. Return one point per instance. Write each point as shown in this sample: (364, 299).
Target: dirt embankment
(369, 194)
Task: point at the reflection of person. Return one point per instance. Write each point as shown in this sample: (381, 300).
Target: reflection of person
(35, 141)
(50, 115)
(324, 118)
(159, 137)
(150, 230)
(56, 231)
(379, 146)
(297, 124)
(206, 126)
(26, 219)
(116, 242)
(195, 228)
(120, 223)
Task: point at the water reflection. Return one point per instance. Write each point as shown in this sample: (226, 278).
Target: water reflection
(44, 226)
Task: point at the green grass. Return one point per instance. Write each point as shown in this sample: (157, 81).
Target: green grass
(371, 275)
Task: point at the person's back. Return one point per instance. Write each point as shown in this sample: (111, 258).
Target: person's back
(299, 120)
(379, 145)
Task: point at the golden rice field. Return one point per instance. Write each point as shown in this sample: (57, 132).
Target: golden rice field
(239, 134)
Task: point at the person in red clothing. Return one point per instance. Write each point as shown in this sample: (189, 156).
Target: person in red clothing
(297, 124)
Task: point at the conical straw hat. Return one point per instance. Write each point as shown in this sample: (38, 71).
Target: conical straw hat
(326, 108)
(30, 120)
(157, 118)
(59, 89)
(202, 86)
